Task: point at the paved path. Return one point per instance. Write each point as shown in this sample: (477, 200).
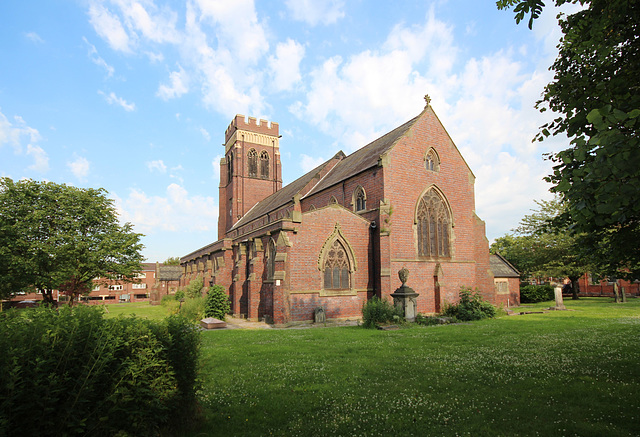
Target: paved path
(240, 323)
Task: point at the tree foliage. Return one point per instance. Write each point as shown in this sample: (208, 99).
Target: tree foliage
(595, 94)
(59, 237)
(172, 261)
(537, 248)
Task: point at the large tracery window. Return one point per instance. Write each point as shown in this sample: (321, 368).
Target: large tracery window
(336, 268)
(264, 165)
(252, 157)
(434, 226)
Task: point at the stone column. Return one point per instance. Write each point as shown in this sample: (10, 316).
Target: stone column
(254, 281)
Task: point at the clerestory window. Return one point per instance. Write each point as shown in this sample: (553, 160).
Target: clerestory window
(360, 199)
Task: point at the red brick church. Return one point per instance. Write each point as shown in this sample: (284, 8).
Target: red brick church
(339, 234)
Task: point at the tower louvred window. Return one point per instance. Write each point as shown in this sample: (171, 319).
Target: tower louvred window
(264, 165)
(252, 157)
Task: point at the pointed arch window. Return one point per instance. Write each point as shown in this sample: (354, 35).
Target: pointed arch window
(230, 166)
(359, 199)
(264, 165)
(432, 161)
(336, 268)
(252, 158)
(434, 226)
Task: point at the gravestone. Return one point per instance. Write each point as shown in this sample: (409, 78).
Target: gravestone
(558, 295)
(319, 315)
(404, 297)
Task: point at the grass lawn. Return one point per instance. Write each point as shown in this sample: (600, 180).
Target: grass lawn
(140, 309)
(560, 373)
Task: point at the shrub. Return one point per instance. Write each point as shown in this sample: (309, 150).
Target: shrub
(180, 294)
(195, 287)
(376, 311)
(471, 306)
(192, 308)
(433, 320)
(72, 372)
(536, 293)
(217, 304)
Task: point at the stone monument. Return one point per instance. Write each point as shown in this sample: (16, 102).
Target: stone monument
(404, 297)
(558, 295)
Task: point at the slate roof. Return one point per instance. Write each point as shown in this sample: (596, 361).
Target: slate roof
(360, 160)
(279, 198)
(502, 268)
(363, 158)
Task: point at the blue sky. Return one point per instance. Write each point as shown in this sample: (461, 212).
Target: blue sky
(135, 95)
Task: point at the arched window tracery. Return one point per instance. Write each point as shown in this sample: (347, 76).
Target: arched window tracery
(434, 226)
(336, 268)
(432, 161)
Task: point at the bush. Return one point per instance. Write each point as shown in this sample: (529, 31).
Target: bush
(195, 287)
(376, 312)
(180, 294)
(471, 306)
(192, 308)
(72, 372)
(536, 293)
(217, 304)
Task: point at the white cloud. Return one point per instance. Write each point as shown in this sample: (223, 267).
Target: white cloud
(308, 163)
(34, 37)
(205, 134)
(314, 12)
(96, 59)
(179, 85)
(13, 134)
(285, 65)
(112, 99)
(40, 158)
(151, 214)
(80, 168)
(109, 27)
(157, 165)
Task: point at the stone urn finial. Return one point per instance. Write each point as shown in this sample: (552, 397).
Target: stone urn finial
(403, 274)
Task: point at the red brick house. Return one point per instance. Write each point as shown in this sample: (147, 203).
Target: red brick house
(506, 279)
(339, 234)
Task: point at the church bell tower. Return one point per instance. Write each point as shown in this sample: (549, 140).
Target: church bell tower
(250, 170)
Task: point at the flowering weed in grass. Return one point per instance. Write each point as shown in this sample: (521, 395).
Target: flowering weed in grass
(560, 373)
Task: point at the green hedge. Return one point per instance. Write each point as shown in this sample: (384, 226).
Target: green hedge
(536, 293)
(72, 372)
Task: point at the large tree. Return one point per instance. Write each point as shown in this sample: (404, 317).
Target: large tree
(539, 249)
(59, 237)
(595, 94)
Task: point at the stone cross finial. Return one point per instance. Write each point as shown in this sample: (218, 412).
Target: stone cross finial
(403, 274)
(427, 99)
